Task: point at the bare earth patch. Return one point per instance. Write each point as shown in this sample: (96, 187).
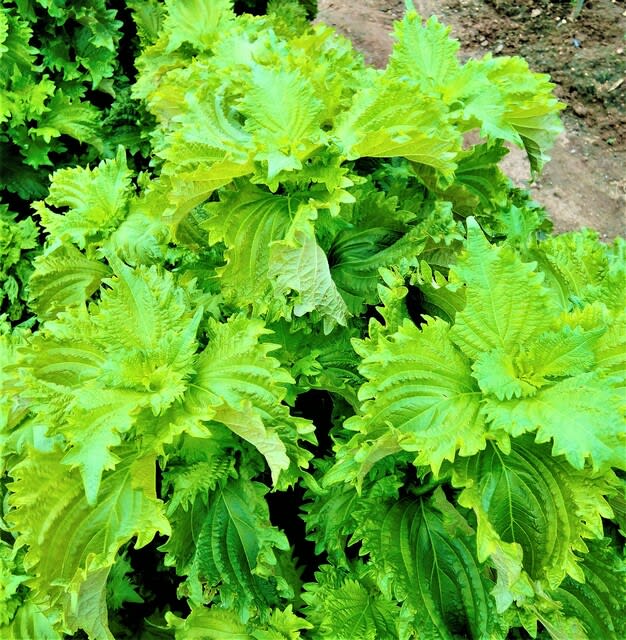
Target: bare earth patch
(585, 182)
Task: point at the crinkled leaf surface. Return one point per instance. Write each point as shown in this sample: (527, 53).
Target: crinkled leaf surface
(420, 389)
(71, 544)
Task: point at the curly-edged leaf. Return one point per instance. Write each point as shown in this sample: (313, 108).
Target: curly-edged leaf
(598, 602)
(198, 476)
(582, 415)
(139, 339)
(329, 520)
(214, 623)
(33, 620)
(556, 354)
(506, 303)
(419, 389)
(479, 185)
(120, 586)
(343, 609)
(429, 567)
(97, 202)
(77, 119)
(534, 509)
(71, 545)
(150, 301)
(611, 348)
(230, 546)
(197, 22)
(390, 120)
(11, 577)
(248, 222)
(282, 625)
(239, 384)
(379, 236)
(497, 374)
(423, 52)
(318, 361)
(509, 102)
(585, 269)
(63, 278)
(284, 136)
(299, 268)
(94, 426)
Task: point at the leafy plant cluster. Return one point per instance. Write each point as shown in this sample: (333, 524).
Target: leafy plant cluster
(313, 369)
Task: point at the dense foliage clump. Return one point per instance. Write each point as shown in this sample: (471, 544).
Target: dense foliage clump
(288, 356)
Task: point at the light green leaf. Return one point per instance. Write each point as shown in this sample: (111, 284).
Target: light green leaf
(205, 623)
(33, 620)
(197, 22)
(299, 265)
(419, 389)
(497, 374)
(586, 269)
(291, 130)
(509, 102)
(248, 222)
(582, 415)
(96, 201)
(424, 53)
(239, 384)
(390, 120)
(506, 303)
(70, 544)
(74, 118)
(534, 511)
(556, 354)
(94, 427)
(63, 278)
(282, 625)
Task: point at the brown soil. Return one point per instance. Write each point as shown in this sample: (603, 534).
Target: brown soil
(585, 183)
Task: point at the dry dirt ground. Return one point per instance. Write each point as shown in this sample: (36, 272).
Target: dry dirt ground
(585, 182)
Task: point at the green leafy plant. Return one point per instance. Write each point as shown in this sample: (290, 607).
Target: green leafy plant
(65, 90)
(318, 371)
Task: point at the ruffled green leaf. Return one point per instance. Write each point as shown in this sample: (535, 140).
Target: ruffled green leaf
(248, 223)
(534, 512)
(420, 396)
(344, 607)
(582, 415)
(205, 623)
(423, 52)
(585, 269)
(598, 602)
(509, 102)
(229, 543)
(429, 568)
(33, 620)
(96, 201)
(285, 136)
(63, 278)
(390, 120)
(239, 384)
(506, 303)
(197, 22)
(70, 544)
